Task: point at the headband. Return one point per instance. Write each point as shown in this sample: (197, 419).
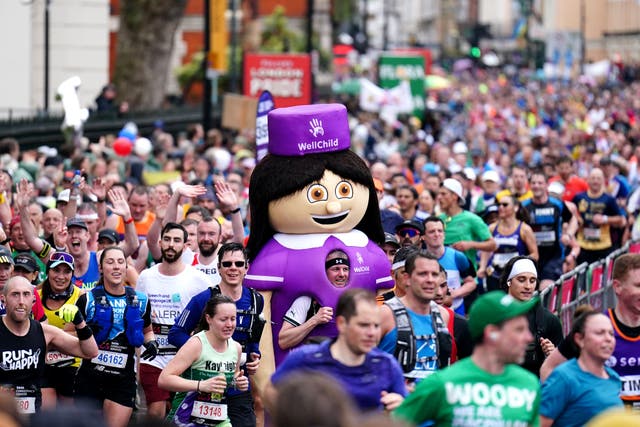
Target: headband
(396, 265)
(89, 216)
(336, 261)
(523, 265)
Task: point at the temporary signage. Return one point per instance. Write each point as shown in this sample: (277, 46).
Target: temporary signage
(392, 69)
(286, 76)
(265, 104)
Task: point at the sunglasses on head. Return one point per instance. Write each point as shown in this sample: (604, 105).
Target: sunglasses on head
(62, 256)
(227, 264)
(408, 232)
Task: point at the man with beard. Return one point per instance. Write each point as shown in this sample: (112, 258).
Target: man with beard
(232, 265)
(170, 285)
(209, 232)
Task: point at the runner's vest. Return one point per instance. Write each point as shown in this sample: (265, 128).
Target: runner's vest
(103, 318)
(406, 351)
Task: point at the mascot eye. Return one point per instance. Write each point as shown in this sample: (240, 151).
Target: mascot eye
(344, 190)
(317, 193)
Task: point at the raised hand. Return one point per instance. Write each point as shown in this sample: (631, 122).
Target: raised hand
(119, 205)
(23, 194)
(98, 188)
(191, 190)
(61, 234)
(227, 198)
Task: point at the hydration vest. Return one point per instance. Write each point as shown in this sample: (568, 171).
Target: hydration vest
(102, 321)
(256, 321)
(406, 351)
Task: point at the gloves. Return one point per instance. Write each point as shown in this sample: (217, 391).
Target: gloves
(151, 350)
(70, 313)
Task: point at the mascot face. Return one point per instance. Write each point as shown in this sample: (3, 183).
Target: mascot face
(331, 205)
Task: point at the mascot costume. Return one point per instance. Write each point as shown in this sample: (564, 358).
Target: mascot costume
(310, 195)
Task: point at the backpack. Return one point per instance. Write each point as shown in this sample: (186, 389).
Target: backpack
(256, 322)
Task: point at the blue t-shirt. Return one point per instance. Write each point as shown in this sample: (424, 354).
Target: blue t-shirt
(571, 396)
(364, 383)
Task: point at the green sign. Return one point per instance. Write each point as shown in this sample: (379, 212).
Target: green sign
(392, 69)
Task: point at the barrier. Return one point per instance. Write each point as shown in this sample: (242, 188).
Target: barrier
(586, 284)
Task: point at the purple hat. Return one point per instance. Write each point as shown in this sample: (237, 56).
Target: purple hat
(308, 129)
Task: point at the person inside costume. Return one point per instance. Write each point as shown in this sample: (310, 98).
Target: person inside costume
(309, 196)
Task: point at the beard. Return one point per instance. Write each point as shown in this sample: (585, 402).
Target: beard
(206, 252)
(171, 256)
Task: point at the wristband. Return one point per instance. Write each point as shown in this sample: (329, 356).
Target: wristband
(84, 333)
(129, 221)
(198, 387)
(101, 200)
(5, 241)
(605, 219)
(2, 198)
(235, 211)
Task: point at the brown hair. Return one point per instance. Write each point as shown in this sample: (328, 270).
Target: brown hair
(625, 263)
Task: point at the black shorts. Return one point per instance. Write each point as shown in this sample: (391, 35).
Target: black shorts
(60, 379)
(552, 269)
(98, 388)
(241, 411)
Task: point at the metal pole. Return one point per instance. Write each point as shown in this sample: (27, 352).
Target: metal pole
(234, 45)
(385, 26)
(206, 98)
(46, 56)
(310, 5)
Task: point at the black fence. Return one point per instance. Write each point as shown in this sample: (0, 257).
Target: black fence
(33, 132)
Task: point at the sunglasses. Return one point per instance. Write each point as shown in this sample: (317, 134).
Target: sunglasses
(504, 205)
(62, 256)
(227, 264)
(408, 232)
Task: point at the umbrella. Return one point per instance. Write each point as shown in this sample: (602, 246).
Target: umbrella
(435, 82)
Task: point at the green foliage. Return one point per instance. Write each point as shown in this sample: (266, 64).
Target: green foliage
(277, 37)
(191, 71)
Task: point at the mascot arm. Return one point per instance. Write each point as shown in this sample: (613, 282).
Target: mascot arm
(267, 361)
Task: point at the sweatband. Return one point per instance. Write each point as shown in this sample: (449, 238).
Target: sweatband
(88, 216)
(523, 265)
(84, 333)
(336, 261)
(397, 265)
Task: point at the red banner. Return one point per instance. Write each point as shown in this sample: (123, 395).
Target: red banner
(596, 278)
(287, 76)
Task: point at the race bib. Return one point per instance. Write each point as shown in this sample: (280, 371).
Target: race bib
(630, 386)
(111, 359)
(500, 260)
(161, 333)
(591, 233)
(26, 405)
(209, 410)
(545, 237)
(57, 358)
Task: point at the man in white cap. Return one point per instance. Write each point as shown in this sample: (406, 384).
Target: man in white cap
(490, 183)
(464, 231)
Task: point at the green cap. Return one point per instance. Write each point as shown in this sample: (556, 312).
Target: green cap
(494, 308)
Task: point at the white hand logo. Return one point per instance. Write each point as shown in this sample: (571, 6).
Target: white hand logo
(316, 128)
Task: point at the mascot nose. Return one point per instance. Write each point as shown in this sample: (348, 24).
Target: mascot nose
(334, 207)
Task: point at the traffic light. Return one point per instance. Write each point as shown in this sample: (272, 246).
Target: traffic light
(475, 52)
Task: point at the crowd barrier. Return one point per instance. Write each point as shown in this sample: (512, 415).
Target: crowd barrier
(586, 284)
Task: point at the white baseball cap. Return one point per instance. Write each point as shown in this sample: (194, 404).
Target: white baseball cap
(460, 148)
(491, 176)
(454, 186)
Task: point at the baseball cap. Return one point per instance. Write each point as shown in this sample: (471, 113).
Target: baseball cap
(556, 187)
(492, 176)
(411, 223)
(460, 148)
(109, 233)
(489, 210)
(494, 308)
(61, 258)
(208, 195)
(76, 222)
(5, 256)
(391, 239)
(401, 256)
(454, 186)
(26, 261)
(469, 173)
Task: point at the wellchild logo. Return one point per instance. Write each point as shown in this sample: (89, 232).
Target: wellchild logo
(318, 145)
(316, 127)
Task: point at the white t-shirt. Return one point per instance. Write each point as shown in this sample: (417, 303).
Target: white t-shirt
(297, 313)
(169, 295)
(192, 258)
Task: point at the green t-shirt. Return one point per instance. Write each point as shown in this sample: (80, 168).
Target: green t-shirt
(465, 226)
(465, 395)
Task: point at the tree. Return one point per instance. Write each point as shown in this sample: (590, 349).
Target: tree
(277, 36)
(143, 53)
